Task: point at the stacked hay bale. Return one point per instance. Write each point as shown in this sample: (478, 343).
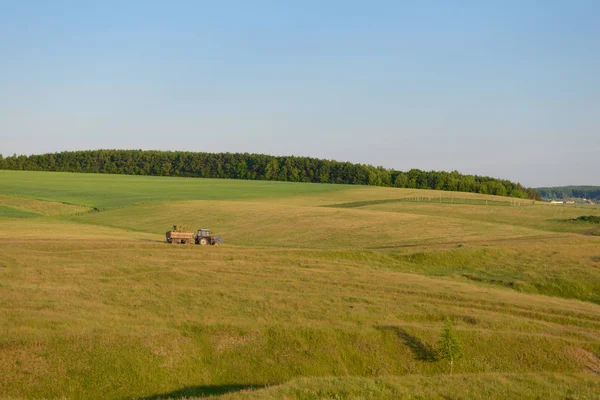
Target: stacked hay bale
(179, 228)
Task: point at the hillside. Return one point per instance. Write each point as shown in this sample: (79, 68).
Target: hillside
(259, 167)
(320, 291)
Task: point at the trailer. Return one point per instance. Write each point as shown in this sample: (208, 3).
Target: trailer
(179, 237)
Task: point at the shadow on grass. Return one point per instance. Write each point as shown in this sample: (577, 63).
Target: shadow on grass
(421, 351)
(200, 391)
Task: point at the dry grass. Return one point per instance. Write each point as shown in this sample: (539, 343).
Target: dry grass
(371, 193)
(541, 216)
(344, 303)
(221, 316)
(268, 224)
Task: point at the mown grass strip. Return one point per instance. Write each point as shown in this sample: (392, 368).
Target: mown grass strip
(439, 200)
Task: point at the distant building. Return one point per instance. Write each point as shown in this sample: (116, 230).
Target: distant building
(557, 202)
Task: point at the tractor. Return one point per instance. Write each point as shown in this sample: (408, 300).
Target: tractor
(205, 236)
(178, 235)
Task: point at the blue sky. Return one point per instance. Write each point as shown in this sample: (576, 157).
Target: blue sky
(503, 88)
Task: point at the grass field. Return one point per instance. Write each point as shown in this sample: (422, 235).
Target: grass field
(321, 291)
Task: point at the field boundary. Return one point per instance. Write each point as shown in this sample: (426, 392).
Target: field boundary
(432, 199)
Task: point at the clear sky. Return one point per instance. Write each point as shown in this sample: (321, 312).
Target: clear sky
(503, 88)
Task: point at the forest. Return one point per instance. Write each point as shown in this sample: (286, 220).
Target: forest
(259, 167)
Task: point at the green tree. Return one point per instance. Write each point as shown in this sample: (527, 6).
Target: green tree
(400, 180)
(324, 173)
(272, 170)
(449, 346)
(241, 170)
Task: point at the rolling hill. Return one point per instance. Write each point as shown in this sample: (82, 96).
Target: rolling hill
(320, 291)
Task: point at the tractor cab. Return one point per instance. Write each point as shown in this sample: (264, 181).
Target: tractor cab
(204, 233)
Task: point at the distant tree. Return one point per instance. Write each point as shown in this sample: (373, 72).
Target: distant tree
(449, 346)
(497, 188)
(400, 179)
(373, 178)
(272, 170)
(166, 168)
(241, 170)
(323, 175)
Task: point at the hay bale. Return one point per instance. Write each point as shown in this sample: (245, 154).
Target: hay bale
(180, 228)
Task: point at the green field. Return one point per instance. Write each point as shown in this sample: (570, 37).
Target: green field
(320, 291)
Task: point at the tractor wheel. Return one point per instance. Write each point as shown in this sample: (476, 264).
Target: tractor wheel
(169, 241)
(203, 241)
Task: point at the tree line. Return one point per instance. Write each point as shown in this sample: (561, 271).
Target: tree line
(570, 192)
(258, 167)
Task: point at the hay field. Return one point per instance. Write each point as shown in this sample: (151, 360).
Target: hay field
(307, 298)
